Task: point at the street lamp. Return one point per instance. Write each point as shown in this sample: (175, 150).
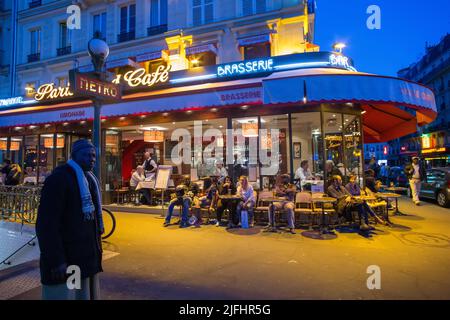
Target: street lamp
(339, 46)
(98, 51)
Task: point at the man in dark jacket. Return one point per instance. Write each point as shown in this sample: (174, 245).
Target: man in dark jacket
(416, 173)
(69, 227)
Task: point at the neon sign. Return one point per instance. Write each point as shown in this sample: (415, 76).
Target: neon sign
(11, 101)
(244, 68)
(140, 77)
(340, 61)
(48, 91)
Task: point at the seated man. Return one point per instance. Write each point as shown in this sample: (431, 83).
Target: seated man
(284, 189)
(345, 203)
(245, 191)
(139, 176)
(185, 194)
(355, 190)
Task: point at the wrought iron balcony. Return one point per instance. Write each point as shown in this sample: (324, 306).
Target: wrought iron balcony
(63, 51)
(126, 36)
(34, 57)
(34, 3)
(151, 31)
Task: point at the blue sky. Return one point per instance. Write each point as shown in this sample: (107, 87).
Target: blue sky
(406, 25)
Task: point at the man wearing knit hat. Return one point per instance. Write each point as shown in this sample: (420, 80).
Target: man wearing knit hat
(69, 227)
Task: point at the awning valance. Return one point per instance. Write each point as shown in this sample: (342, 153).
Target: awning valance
(154, 55)
(201, 48)
(246, 41)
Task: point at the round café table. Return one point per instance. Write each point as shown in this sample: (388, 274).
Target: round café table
(391, 195)
(323, 233)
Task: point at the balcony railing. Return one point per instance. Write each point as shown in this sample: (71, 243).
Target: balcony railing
(63, 51)
(34, 3)
(34, 57)
(151, 31)
(126, 36)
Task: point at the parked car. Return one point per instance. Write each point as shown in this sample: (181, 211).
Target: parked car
(437, 186)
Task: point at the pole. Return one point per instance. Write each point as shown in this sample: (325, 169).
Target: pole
(97, 138)
(12, 68)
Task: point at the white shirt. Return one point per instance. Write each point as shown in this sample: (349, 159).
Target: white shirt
(416, 174)
(302, 175)
(136, 178)
(247, 195)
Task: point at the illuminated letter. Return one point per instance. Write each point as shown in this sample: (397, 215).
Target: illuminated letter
(374, 280)
(74, 20)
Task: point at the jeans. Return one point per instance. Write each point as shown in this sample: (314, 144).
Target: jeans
(185, 202)
(249, 209)
(288, 207)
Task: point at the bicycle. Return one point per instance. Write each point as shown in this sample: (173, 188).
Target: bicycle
(109, 222)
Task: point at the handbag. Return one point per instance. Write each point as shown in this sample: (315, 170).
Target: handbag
(244, 219)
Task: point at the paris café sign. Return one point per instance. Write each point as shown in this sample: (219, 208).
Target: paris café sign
(85, 85)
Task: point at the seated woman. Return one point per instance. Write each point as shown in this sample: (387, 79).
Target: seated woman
(346, 204)
(245, 191)
(355, 190)
(139, 176)
(227, 187)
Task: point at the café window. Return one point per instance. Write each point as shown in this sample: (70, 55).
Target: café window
(61, 82)
(202, 60)
(30, 89)
(255, 51)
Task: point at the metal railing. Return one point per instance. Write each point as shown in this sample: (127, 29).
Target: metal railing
(34, 57)
(126, 36)
(34, 4)
(19, 203)
(63, 51)
(154, 30)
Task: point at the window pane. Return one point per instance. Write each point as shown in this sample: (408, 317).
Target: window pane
(103, 25)
(260, 6)
(163, 12)
(247, 7)
(307, 144)
(209, 13)
(123, 19)
(353, 145)
(132, 22)
(154, 12)
(332, 123)
(197, 16)
(255, 51)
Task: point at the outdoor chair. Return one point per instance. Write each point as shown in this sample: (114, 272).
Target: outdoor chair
(304, 207)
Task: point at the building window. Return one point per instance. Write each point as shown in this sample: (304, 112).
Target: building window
(65, 35)
(127, 23)
(202, 12)
(202, 60)
(61, 82)
(250, 7)
(158, 17)
(255, 51)
(100, 25)
(35, 45)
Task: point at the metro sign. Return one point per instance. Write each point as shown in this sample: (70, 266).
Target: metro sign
(86, 85)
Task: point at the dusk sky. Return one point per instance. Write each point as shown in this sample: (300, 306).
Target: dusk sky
(406, 25)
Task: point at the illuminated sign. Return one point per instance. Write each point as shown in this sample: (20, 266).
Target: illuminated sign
(10, 101)
(337, 60)
(434, 150)
(244, 68)
(49, 91)
(385, 150)
(86, 85)
(426, 142)
(140, 77)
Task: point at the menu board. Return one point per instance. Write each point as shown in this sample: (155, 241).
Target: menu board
(162, 177)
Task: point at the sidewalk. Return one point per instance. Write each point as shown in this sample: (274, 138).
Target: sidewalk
(212, 263)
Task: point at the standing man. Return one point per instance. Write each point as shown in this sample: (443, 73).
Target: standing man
(416, 173)
(69, 227)
(149, 165)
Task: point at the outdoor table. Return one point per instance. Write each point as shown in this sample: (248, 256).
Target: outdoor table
(387, 196)
(396, 189)
(322, 233)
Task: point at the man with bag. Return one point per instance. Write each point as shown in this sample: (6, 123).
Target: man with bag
(416, 173)
(69, 227)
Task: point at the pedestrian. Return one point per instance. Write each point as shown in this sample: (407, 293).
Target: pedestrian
(69, 227)
(416, 173)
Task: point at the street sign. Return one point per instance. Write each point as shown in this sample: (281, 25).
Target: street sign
(86, 84)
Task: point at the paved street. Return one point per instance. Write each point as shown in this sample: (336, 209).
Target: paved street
(212, 263)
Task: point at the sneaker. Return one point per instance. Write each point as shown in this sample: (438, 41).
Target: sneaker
(184, 225)
(417, 203)
(364, 227)
(292, 231)
(217, 224)
(166, 224)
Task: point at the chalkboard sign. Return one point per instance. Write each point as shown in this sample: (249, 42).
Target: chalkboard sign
(162, 177)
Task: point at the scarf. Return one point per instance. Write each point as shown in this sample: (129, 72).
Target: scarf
(87, 205)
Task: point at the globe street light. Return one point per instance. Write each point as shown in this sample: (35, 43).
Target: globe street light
(98, 51)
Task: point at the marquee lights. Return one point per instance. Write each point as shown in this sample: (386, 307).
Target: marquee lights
(48, 91)
(140, 77)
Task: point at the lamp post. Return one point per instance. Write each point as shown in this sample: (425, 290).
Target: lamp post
(339, 46)
(98, 51)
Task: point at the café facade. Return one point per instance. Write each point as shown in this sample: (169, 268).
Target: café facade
(321, 106)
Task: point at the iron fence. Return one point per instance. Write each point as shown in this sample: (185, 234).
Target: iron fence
(19, 203)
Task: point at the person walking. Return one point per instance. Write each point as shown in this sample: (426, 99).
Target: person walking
(416, 173)
(69, 227)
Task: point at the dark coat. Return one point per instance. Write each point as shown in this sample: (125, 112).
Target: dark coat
(63, 235)
(409, 171)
